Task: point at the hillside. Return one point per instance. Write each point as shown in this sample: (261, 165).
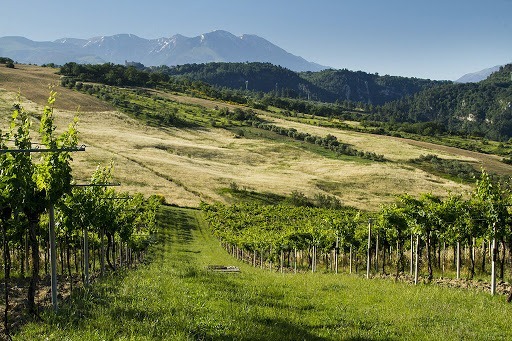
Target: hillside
(205, 159)
(475, 77)
(479, 109)
(325, 86)
(359, 86)
(259, 77)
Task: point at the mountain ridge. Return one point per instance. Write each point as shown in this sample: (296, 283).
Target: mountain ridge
(477, 76)
(327, 85)
(215, 46)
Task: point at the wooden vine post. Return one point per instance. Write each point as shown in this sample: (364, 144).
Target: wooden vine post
(53, 257)
(368, 248)
(295, 260)
(458, 259)
(377, 252)
(350, 260)
(416, 261)
(493, 264)
(86, 256)
(412, 255)
(336, 252)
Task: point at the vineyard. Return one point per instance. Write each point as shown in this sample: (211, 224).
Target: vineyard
(175, 297)
(426, 234)
(53, 225)
(297, 195)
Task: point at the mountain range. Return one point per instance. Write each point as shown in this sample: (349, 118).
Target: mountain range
(216, 46)
(475, 77)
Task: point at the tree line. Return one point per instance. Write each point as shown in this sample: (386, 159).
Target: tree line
(329, 141)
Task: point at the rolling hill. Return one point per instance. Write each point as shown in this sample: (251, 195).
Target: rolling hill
(478, 109)
(202, 161)
(325, 86)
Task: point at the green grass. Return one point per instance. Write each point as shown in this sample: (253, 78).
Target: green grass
(174, 297)
(256, 133)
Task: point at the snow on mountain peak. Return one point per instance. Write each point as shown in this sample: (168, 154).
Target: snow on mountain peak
(215, 46)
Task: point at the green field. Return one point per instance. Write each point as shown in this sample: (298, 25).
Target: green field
(174, 297)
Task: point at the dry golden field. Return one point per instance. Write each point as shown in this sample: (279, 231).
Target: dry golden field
(188, 166)
(393, 148)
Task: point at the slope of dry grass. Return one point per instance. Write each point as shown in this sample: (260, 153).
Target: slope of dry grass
(188, 166)
(393, 148)
(33, 83)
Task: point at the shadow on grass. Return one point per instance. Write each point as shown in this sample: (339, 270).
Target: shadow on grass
(198, 304)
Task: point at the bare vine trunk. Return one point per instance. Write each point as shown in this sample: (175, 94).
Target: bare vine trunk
(6, 213)
(109, 245)
(429, 258)
(502, 261)
(34, 279)
(484, 252)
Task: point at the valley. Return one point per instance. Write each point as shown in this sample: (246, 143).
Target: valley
(237, 170)
(226, 158)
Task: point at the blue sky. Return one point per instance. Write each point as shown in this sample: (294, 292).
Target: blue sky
(436, 39)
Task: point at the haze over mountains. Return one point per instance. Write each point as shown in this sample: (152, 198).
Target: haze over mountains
(216, 46)
(478, 76)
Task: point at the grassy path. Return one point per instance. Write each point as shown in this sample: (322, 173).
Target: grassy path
(175, 298)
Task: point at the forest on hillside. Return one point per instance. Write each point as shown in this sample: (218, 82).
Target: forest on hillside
(323, 86)
(478, 109)
(391, 103)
